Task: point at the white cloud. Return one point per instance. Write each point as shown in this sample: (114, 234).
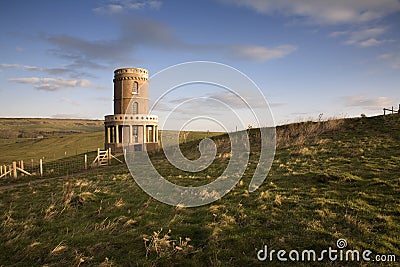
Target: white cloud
(338, 33)
(232, 100)
(372, 103)
(24, 80)
(365, 37)
(324, 11)
(47, 87)
(53, 71)
(54, 84)
(261, 53)
(371, 42)
(356, 37)
(118, 6)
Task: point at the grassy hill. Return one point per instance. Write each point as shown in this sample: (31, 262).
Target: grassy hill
(329, 180)
(38, 127)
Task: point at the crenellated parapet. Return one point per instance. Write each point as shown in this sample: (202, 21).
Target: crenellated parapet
(131, 74)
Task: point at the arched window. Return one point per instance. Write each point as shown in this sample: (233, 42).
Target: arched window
(135, 89)
(135, 107)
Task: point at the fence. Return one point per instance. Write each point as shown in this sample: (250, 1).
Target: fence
(391, 110)
(68, 165)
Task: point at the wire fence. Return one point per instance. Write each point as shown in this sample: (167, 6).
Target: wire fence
(51, 168)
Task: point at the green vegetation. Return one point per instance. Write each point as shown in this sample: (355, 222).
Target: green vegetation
(329, 180)
(33, 128)
(53, 139)
(50, 148)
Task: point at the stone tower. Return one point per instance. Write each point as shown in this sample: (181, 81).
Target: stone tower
(131, 124)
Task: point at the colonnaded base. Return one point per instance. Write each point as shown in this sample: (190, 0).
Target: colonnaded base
(139, 132)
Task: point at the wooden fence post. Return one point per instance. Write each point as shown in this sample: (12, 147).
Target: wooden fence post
(384, 112)
(21, 166)
(1, 170)
(14, 166)
(85, 162)
(41, 167)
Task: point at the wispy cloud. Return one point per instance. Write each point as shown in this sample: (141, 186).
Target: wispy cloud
(261, 53)
(324, 11)
(54, 84)
(100, 53)
(372, 42)
(224, 99)
(393, 59)
(365, 37)
(372, 103)
(51, 71)
(118, 6)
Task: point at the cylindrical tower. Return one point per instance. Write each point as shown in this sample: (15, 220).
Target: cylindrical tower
(131, 124)
(131, 84)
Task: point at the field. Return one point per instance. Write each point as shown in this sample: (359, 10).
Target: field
(53, 139)
(329, 180)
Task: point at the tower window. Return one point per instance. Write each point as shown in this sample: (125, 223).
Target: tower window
(135, 107)
(135, 88)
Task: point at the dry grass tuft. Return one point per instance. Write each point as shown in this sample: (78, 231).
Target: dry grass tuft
(164, 246)
(59, 248)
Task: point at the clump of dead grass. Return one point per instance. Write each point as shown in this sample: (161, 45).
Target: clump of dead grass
(298, 133)
(165, 245)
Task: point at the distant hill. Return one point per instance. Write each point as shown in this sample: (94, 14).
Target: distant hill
(38, 127)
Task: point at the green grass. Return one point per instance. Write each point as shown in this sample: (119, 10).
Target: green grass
(34, 127)
(29, 138)
(329, 180)
(50, 148)
(53, 139)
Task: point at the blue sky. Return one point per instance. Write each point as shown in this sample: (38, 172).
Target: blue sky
(340, 58)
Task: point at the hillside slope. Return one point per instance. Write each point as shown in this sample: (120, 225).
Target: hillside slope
(41, 127)
(329, 180)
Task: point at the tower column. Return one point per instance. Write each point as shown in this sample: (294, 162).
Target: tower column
(105, 135)
(130, 134)
(108, 135)
(117, 133)
(144, 133)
